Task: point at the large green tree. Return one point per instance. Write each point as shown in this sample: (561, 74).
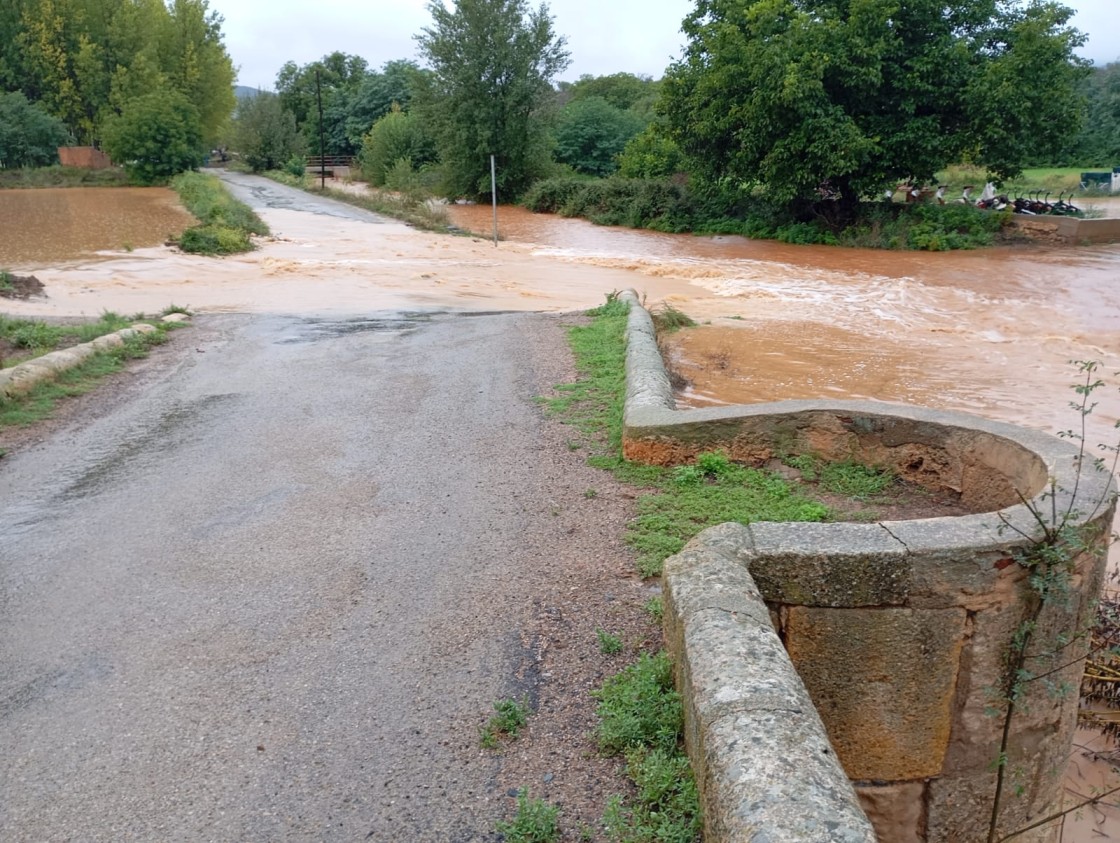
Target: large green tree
(797, 95)
(156, 136)
(335, 78)
(590, 134)
(29, 137)
(492, 62)
(84, 60)
(264, 133)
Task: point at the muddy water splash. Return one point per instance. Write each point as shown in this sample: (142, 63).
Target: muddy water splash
(991, 332)
(53, 224)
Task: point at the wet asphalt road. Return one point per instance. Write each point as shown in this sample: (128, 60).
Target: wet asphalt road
(259, 192)
(273, 596)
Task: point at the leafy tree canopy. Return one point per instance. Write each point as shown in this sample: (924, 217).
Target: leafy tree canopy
(858, 94)
(84, 59)
(590, 134)
(155, 136)
(264, 133)
(398, 136)
(622, 90)
(493, 62)
(29, 137)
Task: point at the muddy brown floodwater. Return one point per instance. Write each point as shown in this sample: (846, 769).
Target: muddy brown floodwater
(991, 332)
(52, 224)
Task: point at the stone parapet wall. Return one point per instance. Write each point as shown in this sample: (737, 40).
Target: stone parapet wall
(1065, 230)
(899, 630)
(763, 761)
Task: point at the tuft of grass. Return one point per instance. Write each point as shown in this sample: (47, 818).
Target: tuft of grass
(226, 223)
(175, 308)
(667, 318)
(711, 491)
(609, 644)
(641, 717)
(847, 477)
(638, 707)
(655, 607)
(510, 718)
(40, 401)
(535, 822)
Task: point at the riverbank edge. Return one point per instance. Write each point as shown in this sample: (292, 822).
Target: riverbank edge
(724, 694)
(19, 379)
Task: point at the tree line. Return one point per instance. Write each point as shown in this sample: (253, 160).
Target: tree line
(796, 99)
(132, 75)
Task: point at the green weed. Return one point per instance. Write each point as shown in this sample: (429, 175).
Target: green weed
(510, 719)
(655, 608)
(847, 477)
(638, 707)
(712, 491)
(641, 717)
(535, 822)
(225, 223)
(668, 319)
(608, 644)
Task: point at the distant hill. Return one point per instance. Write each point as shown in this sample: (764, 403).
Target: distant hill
(243, 91)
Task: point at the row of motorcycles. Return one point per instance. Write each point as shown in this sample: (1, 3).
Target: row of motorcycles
(1033, 204)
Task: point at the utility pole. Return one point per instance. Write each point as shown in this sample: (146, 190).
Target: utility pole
(322, 154)
(494, 196)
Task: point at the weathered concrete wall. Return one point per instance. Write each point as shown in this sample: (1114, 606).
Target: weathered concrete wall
(899, 630)
(764, 765)
(1068, 229)
(21, 378)
(83, 156)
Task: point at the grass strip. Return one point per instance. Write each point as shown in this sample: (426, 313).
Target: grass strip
(33, 339)
(226, 223)
(680, 502)
(41, 400)
(640, 717)
(413, 210)
(58, 176)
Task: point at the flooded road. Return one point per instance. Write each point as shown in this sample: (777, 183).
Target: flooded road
(991, 332)
(53, 224)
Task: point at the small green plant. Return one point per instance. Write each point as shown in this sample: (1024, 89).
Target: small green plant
(638, 707)
(608, 644)
(667, 318)
(175, 308)
(7, 281)
(590, 494)
(225, 223)
(535, 822)
(511, 717)
(641, 717)
(846, 477)
(655, 607)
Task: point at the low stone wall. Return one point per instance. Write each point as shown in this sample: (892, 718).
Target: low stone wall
(1068, 229)
(899, 630)
(764, 764)
(19, 379)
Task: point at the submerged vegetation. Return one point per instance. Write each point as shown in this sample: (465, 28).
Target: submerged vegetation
(226, 223)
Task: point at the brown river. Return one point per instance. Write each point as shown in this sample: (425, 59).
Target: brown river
(991, 332)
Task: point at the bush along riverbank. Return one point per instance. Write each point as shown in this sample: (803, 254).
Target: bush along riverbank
(225, 223)
(667, 205)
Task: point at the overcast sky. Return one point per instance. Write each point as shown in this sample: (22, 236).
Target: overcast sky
(604, 36)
